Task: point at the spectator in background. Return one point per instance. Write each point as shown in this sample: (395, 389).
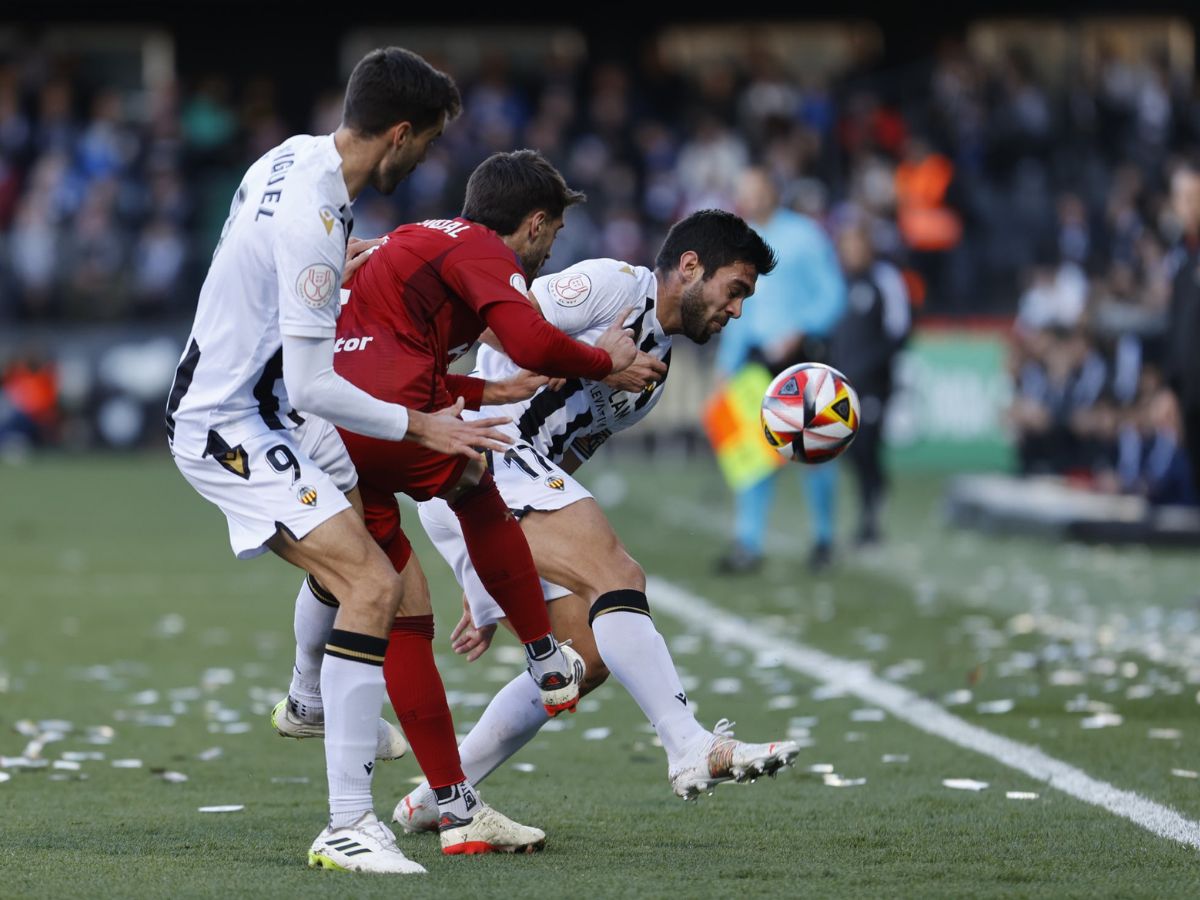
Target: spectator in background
(928, 220)
(1056, 295)
(864, 346)
(1183, 355)
(1150, 456)
(1056, 412)
(789, 320)
(28, 402)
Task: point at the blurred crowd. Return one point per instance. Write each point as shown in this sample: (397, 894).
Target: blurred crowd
(1000, 186)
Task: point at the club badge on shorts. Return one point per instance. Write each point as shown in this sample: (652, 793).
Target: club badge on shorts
(307, 495)
(556, 482)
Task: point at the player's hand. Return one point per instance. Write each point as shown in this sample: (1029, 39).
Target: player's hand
(445, 432)
(643, 374)
(617, 342)
(466, 638)
(357, 251)
(519, 387)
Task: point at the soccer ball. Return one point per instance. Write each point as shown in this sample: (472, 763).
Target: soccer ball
(810, 413)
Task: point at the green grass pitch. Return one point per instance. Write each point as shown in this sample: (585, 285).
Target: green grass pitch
(123, 607)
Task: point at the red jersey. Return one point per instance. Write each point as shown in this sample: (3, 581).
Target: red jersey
(423, 298)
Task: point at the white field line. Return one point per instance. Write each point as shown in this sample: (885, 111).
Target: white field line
(856, 678)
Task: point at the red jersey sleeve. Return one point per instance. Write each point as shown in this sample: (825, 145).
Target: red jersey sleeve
(495, 288)
(470, 389)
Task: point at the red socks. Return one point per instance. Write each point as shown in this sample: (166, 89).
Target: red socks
(501, 556)
(419, 699)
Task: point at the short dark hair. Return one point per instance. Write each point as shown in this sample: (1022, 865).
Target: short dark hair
(719, 239)
(506, 187)
(391, 85)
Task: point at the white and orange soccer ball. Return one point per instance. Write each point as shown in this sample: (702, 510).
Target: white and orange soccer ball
(810, 413)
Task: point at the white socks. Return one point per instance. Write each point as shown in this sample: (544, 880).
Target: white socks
(352, 685)
(637, 656)
(509, 723)
(315, 613)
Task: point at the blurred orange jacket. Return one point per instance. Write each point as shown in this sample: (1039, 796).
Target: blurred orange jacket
(926, 223)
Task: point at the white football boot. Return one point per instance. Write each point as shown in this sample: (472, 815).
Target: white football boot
(366, 846)
(487, 831)
(287, 721)
(723, 758)
(560, 689)
(417, 811)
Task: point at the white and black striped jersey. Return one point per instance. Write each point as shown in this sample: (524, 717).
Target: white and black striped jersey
(276, 270)
(583, 301)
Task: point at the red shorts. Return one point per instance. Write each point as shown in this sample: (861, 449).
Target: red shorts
(386, 468)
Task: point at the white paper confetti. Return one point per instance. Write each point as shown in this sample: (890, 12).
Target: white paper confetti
(964, 784)
(4, 776)
(26, 728)
(832, 780)
(61, 726)
(293, 779)
(597, 734)
(1066, 677)
(173, 777)
(1020, 795)
(957, 698)
(236, 728)
(1165, 734)
(82, 755)
(894, 758)
(995, 707)
(67, 765)
(126, 763)
(821, 768)
(1185, 773)
(726, 686)
(1102, 720)
(524, 767)
(783, 701)
(235, 807)
(210, 754)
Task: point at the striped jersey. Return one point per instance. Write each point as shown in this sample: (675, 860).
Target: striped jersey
(582, 301)
(276, 270)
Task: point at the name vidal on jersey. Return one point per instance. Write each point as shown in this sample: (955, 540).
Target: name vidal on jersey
(452, 228)
(279, 166)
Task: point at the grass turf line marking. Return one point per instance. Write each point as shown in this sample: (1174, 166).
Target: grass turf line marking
(856, 678)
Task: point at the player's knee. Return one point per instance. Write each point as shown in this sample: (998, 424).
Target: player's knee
(377, 591)
(630, 572)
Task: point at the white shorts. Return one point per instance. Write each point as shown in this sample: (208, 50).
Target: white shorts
(268, 483)
(537, 485)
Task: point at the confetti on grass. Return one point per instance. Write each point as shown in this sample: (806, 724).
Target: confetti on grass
(964, 784)
(237, 807)
(1021, 795)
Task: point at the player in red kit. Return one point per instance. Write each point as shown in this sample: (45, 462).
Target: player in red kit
(422, 299)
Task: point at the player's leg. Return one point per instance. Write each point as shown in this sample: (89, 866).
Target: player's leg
(820, 488)
(302, 714)
(466, 824)
(752, 508)
(340, 553)
(500, 555)
(275, 497)
(577, 548)
(512, 718)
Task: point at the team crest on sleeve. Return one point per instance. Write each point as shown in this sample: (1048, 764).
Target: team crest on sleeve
(307, 495)
(555, 482)
(570, 288)
(518, 283)
(316, 285)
